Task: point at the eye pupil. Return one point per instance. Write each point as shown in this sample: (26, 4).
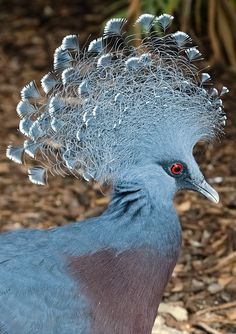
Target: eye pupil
(176, 169)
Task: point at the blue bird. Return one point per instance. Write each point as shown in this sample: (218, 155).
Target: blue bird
(124, 114)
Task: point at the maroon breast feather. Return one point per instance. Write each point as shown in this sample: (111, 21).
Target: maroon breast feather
(123, 289)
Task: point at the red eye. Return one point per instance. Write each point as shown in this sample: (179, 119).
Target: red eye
(176, 169)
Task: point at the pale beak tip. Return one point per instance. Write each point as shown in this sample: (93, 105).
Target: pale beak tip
(212, 194)
(216, 198)
(205, 189)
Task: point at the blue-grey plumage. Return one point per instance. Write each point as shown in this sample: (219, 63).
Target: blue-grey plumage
(39, 289)
(130, 115)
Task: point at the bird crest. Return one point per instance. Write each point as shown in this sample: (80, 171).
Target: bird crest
(104, 108)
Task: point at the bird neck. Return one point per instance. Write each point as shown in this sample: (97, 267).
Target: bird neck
(149, 182)
(143, 209)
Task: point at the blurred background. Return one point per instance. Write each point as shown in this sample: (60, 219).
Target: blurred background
(202, 291)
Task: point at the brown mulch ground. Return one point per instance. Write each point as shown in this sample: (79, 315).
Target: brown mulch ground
(204, 281)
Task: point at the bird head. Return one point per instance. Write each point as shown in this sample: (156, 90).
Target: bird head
(176, 166)
(167, 168)
(115, 106)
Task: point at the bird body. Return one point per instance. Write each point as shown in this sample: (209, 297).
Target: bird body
(104, 275)
(124, 114)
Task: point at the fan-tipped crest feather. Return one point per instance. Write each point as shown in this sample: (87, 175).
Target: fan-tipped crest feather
(224, 90)
(96, 45)
(105, 60)
(36, 131)
(48, 82)
(15, 154)
(164, 21)
(62, 59)
(25, 125)
(70, 42)
(193, 54)
(180, 38)
(146, 22)
(25, 109)
(114, 27)
(30, 91)
(133, 64)
(31, 148)
(37, 175)
(56, 106)
(205, 77)
(69, 76)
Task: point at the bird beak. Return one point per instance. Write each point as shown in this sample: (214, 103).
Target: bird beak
(206, 190)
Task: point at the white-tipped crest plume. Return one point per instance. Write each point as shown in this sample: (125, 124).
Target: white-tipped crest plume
(107, 107)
